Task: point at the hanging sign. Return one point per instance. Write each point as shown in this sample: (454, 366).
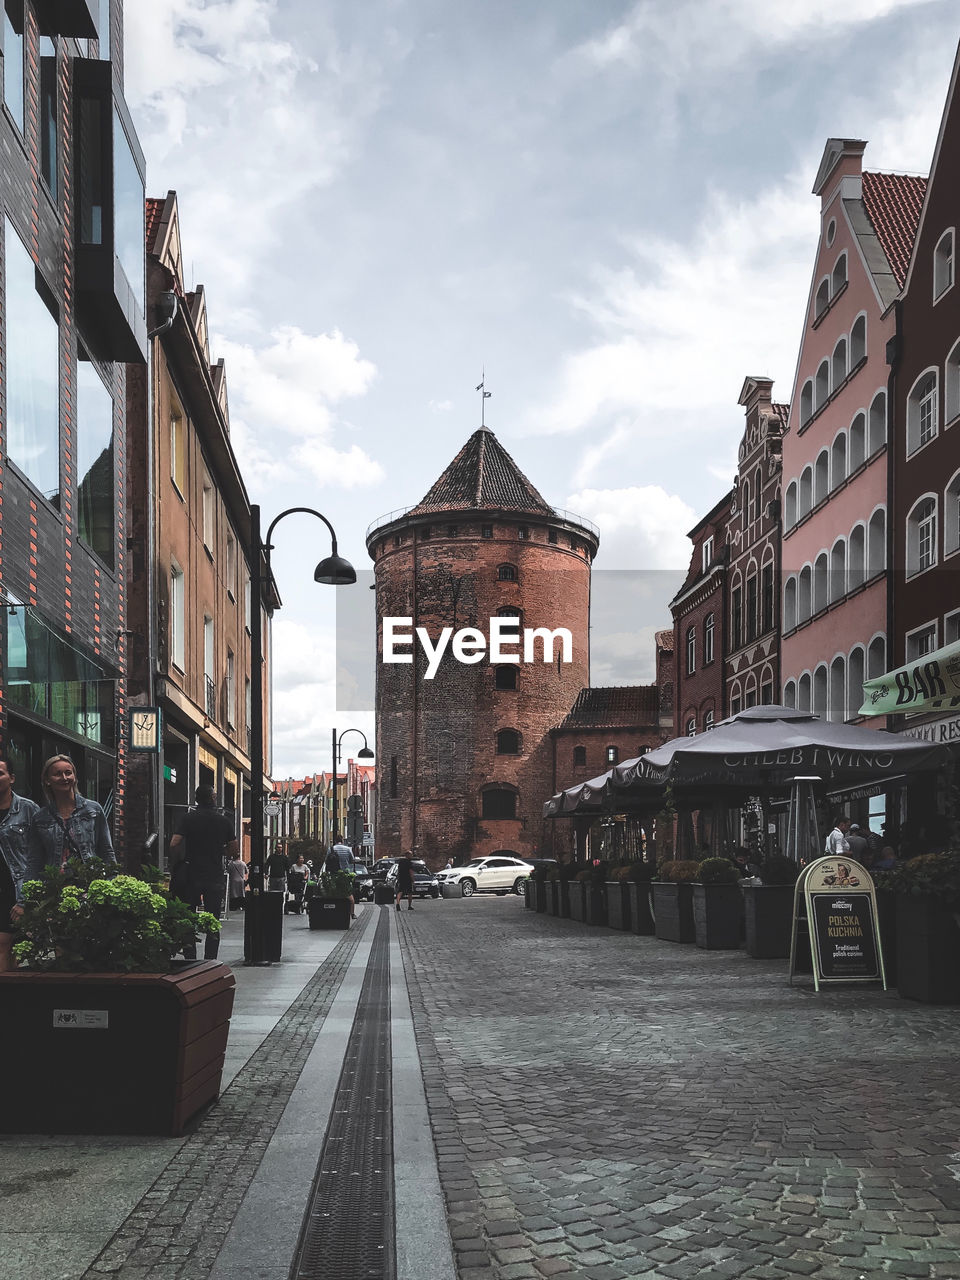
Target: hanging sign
(932, 683)
(841, 916)
(145, 729)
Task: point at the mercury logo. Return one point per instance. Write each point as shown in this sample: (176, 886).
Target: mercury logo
(469, 645)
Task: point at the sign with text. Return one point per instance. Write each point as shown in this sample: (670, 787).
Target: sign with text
(81, 1019)
(931, 683)
(841, 917)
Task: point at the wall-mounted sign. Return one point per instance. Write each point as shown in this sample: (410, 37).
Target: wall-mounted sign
(146, 728)
(839, 910)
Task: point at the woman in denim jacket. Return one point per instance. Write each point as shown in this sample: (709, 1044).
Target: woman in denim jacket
(67, 826)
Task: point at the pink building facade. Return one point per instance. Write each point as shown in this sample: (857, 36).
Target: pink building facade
(834, 556)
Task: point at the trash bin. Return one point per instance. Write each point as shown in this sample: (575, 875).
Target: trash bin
(383, 893)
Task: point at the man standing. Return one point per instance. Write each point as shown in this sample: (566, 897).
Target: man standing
(205, 836)
(405, 880)
(858, 844)
(837, 839)
(343, 853)
(16, 814)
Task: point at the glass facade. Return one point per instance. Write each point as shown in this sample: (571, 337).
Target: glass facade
(128, 212)
(13, 59)
(48, 115)
(33, 373)
(95, 494)
(90, 173)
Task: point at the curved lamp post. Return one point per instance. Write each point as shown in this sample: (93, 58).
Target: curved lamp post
(332, 571)
(363, 754)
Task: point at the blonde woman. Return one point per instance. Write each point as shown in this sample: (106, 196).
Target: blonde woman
(68, 825)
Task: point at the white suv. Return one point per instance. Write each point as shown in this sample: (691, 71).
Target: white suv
(495, 875)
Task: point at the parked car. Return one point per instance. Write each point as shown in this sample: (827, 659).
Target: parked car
(495, 874)
(380, 868)
(363, 884)
(425, 881)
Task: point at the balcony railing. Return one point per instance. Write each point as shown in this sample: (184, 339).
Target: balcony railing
(211, 703)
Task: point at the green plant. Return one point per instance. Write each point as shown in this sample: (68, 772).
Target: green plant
(682, 871)
(931, 873)
(569, 870)
(779, 870)
(633, 872)
(77, 921)
(717, 871)
(335, 884)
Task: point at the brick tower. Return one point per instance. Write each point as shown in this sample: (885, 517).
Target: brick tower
(466, 757)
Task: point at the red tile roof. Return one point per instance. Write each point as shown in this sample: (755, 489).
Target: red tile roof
(782, 411)
(624, 706)
(154, 214)
(893, 202)
(483, 476)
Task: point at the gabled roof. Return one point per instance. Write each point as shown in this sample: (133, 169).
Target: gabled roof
(154, 212)
(893, 202)
(617, 707)
(945, 120)
(483, 476)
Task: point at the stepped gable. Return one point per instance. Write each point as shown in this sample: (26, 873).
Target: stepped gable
(483, 476)
(893, 202)
(618, 706)
(664, 639)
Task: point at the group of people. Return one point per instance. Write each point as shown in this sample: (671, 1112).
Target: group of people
(34, 836)
(861, 844)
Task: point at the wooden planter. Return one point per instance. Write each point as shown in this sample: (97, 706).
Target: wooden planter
(673, 912)
(528, 898)
(553, 897)
(329, 913)
(928, 950)
(768, 912)
(595, 903)
(540, 895)
(112, 1052)
(718, 916)
(641, 917)
(887, 923)
(618, 904)
(577, 898)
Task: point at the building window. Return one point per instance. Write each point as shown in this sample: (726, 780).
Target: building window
(708, 720)
(426, 531)
(102, 10)
(951, 627)
(505, 677)
(247, 604)
(613, 755)
(32, 371)
(691, 728)
(397, 540)
(691, 650)
(13, 59)
(806, 402)
(878, 423)
(943, 264)
(247, 710)
(707, 560)
(752, 607)
(231, 565)
(823, 383)
(508, 742)
(451, 530)
(790, 506)
(48, 115)
(708, 628)
(210, 698)
(231, 689)
(921, 642)
(95, 462)
(736, 705)
(951, 516)
(766, 693)
(209, 515)
(922, 412)
(486, 530)
(839, 275)
(507, 573)
(858, 341)
(922, 536)
(736, 616)
(552, 536)
(579, 756)
(766, 599)
(951, 386)
(128, 212)
(498, 802)
(178, 452)
(822, 299)
(177, 616)
(523, 532)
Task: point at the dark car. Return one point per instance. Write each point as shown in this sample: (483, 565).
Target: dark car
(381, 867)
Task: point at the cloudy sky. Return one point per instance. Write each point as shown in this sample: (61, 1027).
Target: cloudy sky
(605, 204)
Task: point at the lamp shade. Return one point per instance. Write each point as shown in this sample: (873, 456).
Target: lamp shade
(364, 754)
(335, 571)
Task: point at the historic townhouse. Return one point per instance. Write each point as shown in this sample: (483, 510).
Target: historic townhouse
(835, 455)
(699, 626)
(753, 572)
(72, 321)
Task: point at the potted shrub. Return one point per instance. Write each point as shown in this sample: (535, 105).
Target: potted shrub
(618, 897)
(768, 909)
(718, 905)
(928, 932)
(112, 1034)
(673, 900)
(639, 893)
(330, 907)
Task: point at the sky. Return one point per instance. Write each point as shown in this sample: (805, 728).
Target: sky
(605, 208)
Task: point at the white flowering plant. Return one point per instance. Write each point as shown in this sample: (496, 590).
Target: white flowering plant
(79, 921)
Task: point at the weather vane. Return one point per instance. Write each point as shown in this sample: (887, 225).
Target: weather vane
(484, 396)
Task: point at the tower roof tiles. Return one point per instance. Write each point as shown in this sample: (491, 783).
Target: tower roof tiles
(616, 707)
(483, 476)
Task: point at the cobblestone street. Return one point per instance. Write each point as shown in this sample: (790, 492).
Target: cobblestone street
(606, 1105)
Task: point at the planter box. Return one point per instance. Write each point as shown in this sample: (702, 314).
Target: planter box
(112, 1052)
(769, 919)
(673, 912)
(539, 891)
(641, 917)
(928, 950)
(718, 916)
(618, 904)
(383, 894)
(887, 924)
(595, 904)
(329, 913)
(528, 896)
(577, 898)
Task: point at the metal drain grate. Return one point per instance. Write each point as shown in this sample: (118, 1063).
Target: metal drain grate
(348, 1231)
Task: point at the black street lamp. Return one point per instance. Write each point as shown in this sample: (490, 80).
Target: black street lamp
(363, 754)
(333, 571)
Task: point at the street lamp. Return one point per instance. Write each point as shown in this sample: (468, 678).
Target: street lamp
(333, 571)
(363, 754)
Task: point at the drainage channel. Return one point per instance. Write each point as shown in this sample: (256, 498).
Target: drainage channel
(348, 1230)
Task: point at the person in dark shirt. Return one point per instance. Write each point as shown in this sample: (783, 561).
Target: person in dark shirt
(205, 836)
(405, 880)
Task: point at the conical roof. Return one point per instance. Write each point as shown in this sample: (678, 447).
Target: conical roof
(483, 476)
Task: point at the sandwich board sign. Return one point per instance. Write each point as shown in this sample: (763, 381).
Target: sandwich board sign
(840, 909)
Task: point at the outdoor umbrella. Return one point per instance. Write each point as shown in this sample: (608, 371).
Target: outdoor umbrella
(585, 796)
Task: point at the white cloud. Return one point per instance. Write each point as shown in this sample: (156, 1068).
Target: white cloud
(440, 406)
(641, 527)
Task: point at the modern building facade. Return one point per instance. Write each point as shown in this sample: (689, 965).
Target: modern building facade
(72, 321)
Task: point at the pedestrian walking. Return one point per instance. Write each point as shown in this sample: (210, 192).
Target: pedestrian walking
(68, 825)
(405, 880)
(297, 878)
(205, 836)
(343, 854)
(276, 872)
(237, 871)
(16, 814)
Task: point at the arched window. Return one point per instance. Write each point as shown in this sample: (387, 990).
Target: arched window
(877, 658)
(511, 611)
(951, 385)
(951, 516)
(839, 275)
(838, 688)
(823, 298)
(750, 691)
(806, 402)
(804, 698)
(806, 491)
(820, 576)
(857, 557)
(839, 363)
(508, 742)
(747, 504)
(790, 505)
(838, 460)
(855, 678)
(790, 694)
(805, 594)
(790, 603)
(498, 802)
(922, 411)
(878, 423)
(821, 477)
(736, 698)
(758, 492)
(507, 573)
(838, 571)
(858, 441)
(877, 543)
(858, 341)
(943, 265)
(766, 594)
(506, 676)
(753, 601)
(708, 636)
(820, 691)
(691, 727)
(922, 535)
(579, 756)
(823, 383)
(708, 720)
(691, 650)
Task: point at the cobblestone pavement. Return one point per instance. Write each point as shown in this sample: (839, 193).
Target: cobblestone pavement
(605, 1105)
